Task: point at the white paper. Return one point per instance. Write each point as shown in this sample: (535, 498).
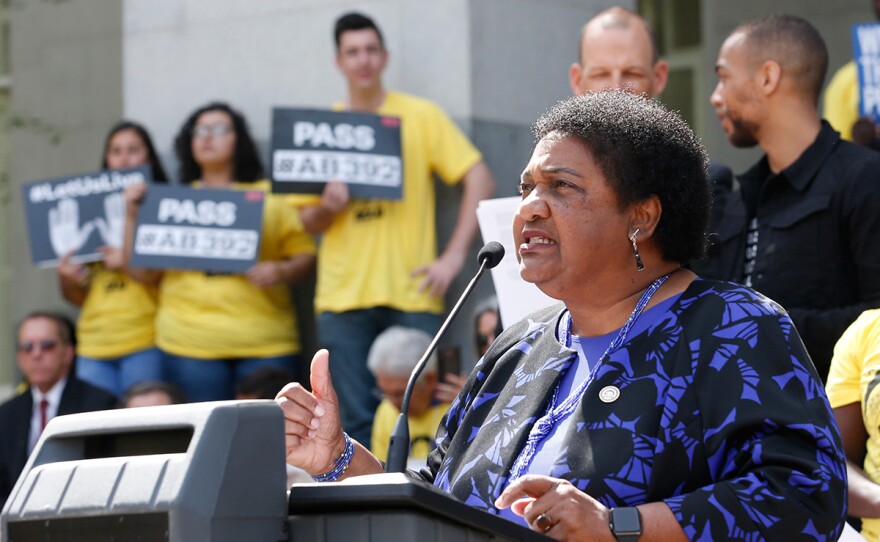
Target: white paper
(516, 297)
(850, 535)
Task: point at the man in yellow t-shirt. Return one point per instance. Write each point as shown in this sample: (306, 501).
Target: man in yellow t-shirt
(393, 356)
(841, 108)
(378, 263)
(855, 397)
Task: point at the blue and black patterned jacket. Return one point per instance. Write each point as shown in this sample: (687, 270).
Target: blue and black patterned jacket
(721, 415)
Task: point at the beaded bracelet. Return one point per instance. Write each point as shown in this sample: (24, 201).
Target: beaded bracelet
(341, 465)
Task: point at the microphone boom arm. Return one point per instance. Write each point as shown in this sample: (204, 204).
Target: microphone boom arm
(398, 446)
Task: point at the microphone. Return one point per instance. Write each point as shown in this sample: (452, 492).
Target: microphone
(398, 446)
(492, 254)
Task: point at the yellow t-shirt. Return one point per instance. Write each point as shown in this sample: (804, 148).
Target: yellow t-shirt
(854, 378)
(841, 103)
(117, 317)
(368, 253)
(217, 316)
(422, 430)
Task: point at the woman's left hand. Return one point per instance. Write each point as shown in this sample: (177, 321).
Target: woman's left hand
(114, 257)
(556, 508)
(264, 274)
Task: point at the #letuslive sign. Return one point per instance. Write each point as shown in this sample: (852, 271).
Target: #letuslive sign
(311, 147)
(77, 214)
(200, 229)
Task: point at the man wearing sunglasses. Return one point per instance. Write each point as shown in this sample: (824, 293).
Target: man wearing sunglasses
(45, 356)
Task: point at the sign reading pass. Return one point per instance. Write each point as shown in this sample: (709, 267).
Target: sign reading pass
(311, 147)
(202, 229)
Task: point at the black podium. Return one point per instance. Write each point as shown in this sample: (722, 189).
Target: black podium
(396, 507)
(204, 472)
(215, 472)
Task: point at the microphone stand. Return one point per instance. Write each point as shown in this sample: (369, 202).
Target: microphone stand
(398, 445)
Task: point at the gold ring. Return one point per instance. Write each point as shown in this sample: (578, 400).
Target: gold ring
(543, 523)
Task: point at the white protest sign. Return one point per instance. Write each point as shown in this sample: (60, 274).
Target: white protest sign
(516, 297)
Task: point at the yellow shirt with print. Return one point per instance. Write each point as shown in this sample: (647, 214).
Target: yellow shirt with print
(367, 255)
(117, 317)
(422, 430)
(855, 378)
(216, 316)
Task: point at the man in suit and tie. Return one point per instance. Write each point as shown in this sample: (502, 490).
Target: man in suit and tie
(45, 355)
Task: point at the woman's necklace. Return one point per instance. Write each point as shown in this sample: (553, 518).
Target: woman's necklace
(555, 414)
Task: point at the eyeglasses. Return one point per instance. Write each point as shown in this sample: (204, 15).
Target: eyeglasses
(216, 130)
(46, 345)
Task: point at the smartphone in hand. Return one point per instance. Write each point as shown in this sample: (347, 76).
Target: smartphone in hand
(448, 362)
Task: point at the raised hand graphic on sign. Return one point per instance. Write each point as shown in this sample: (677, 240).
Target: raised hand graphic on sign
(65, 232)
(112, 227)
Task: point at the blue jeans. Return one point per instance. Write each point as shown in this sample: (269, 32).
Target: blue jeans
(348, 336)
(214, 379)
(118, 374)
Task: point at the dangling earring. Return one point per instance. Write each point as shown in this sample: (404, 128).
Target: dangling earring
(639, 265)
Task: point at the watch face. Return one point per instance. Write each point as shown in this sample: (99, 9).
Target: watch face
(626, 521)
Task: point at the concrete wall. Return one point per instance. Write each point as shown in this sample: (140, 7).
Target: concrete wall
(5, 272)
(180, 55)
(67, 90)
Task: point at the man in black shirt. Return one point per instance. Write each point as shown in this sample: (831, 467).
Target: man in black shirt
(804, 226)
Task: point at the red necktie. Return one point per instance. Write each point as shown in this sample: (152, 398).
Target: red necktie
(44, 406)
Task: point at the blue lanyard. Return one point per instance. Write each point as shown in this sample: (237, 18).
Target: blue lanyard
(555, 414)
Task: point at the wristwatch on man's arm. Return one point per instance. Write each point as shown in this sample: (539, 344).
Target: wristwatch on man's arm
(625, 524)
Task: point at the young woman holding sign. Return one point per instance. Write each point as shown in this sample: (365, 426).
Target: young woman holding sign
(116, 332)
(216, 328)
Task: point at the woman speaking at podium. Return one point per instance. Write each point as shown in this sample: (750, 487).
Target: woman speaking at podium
(650, 404)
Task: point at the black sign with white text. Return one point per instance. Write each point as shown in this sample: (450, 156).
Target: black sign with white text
(201, 229)
(77, 214)
(311, 147)
(866, 50)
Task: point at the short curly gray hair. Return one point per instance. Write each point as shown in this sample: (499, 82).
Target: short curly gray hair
(397, 350)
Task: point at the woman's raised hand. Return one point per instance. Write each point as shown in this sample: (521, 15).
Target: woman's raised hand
(312, 427)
